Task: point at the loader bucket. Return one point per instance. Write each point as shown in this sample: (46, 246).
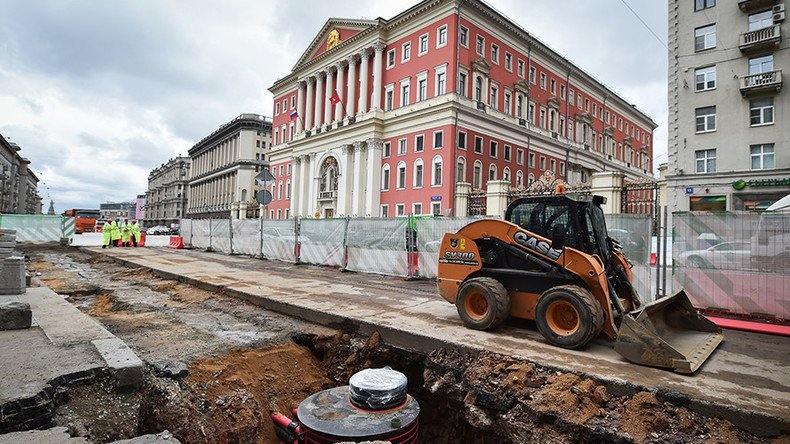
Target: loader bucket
(668, 333)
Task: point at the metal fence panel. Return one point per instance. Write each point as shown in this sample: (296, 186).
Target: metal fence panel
(735, 261)
(634, 232)
(246, 236)
(201, 233)
(36, 227)
(220, 235)
(185, 231)
(279, 239)
(378, 246)
(321, 241)
(429, 238)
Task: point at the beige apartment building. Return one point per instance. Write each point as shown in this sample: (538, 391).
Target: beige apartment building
(168, 191)
(729, 125)
(224, 166)
(18, 183)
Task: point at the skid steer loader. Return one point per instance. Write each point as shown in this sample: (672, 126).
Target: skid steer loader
(551, 260)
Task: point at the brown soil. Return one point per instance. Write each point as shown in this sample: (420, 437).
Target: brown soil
(101, 306)
(643, 415)
(228, 399)
(568, 396)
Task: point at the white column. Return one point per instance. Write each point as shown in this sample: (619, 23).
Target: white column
(344, 181)
(363, 79)
(319, 102)
(327, 94)
(372, 191)
(340, 91)
(299, 107)
(358, 185)
(378, 48)
(352, 85)
(296, 191)
(308, 110)
(312, 182)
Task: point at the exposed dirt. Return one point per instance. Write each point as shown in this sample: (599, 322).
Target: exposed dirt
(642, 416)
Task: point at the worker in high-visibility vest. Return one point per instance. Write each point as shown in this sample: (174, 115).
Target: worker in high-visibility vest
(135, 232)
(106, 234)
(126, 232)
(115, 235)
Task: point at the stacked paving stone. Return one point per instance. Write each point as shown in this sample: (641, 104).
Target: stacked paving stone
(13, 314)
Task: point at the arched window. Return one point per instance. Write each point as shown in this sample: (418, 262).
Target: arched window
(401, 179)
(506, 174)
(519, 105)
(329, 170)
(479, 88)
(436, 179)
(478, 169)
(385, 177)
(460, 172)
(492, 172)
(519, 179)
(418, 173)
(530, 179)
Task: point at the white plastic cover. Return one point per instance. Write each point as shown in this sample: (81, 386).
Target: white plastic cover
(377, 387)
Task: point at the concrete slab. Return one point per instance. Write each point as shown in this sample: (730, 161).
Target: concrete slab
(747, 380)
(63, 323)
(55, 435)
(126, 367)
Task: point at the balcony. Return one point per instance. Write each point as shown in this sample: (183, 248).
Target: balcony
(762, 83)
(752, 5)
(326, 196)
(760, 39)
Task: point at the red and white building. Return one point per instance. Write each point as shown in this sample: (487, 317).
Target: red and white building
(446, 96)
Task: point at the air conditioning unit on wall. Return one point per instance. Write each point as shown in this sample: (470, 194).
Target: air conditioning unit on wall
(779, 17)
(778, 8)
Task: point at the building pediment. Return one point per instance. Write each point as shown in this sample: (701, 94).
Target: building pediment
(332, 35)
(554, 103)
(584, 118)
(521, 86)
(481, 65)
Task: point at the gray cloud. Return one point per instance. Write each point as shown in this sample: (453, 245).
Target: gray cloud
(98, 93)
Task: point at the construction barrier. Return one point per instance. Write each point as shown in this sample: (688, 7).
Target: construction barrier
(142, 240)
(176, 242)
(38, 228)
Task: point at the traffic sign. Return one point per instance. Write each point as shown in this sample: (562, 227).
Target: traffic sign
(264, 179)
(263, 197)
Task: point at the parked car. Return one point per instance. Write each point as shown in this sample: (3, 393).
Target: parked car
(159, 229)
(735, 255)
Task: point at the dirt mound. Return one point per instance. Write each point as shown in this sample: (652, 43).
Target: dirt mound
(228, 399)
(571, 397)
(642, 416)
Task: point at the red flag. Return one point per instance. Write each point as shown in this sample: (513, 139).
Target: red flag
(335, 99)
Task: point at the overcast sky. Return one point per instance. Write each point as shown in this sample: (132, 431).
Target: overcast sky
(97, 93)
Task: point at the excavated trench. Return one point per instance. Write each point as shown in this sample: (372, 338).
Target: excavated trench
(216, 367)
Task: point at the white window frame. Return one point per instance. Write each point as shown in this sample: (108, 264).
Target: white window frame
(519, 178)
(495, 53)
(436, 206)
(520, 68)
(398, 184)
(385, 211)
(400, 210)
(414, 184)
(438, 133)
(385, 178)
(480, 151)
(553, 87)
(507, 102)
(403, 146)
(389, 97)
(766, 150)
(708, 35)
(708, 120)
(705, 156)
(477, 174)
(519, 156)
(391, 58)
(492, 172)
(288, 189)
(416, 138)
(277, 108)
(405, 52)
(761, 112)
(465, 138)
(531, 160)
(493, 147)
(493, 95)
(439, 43)
(708, 75)
(508, 61)
(463, 87)
(463, 36)
(420, 40)
(414, 208)
(422, 86)
(507, 152)
(506, 174)
(480, 45)
(405, 91)
(460, 162)
(436, 181)
(387, 151)
(440, 87)
(532, 75)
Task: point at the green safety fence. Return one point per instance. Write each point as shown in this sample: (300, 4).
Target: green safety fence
(38, 228)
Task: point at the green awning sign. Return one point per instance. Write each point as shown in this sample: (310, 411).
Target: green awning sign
(741, 184)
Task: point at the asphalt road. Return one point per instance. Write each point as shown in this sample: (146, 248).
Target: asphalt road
(746, 380)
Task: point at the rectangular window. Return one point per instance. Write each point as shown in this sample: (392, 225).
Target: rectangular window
(494, 94)
(570, 97)
(400, 209)
(531, 113)
(761, 20)
(706, 161)
(422, 89)
(542, 163)
(461, 140)
(423, 44)
(507, 152)
(462, 83)
(495, 53)
(705, 38)
(277, 108)
(401, 147)
(441, 83)
(389, 98)
(293, 102)
(463, 36)
(542, 81)
(520, 156)
(562, 92)
(401, 182)
(509, 61)
(705, 119)
(762, 111)
(506, 103)
(478, 145)
(699, 5)
(763, 156)
(553, 164)
(562, 168)
(705, 78)
(404, 93)
(387, 149)
(436, 208)
(385, 210)
(419, 143)
(492, 149)
(587, 105)
(417, 175)
(521, 68)
(481, 45)
(759, 65)
(532, 160)
(553, 88)
(416, 208)
(438, 139)
(390, 58)
(441, 36)
(406, 52)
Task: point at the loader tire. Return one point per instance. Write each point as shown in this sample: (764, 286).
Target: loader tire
(569, 316)
(483, 303)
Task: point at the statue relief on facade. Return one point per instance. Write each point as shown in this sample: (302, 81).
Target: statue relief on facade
(333, 39)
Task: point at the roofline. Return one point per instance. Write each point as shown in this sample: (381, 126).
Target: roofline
(232, 126)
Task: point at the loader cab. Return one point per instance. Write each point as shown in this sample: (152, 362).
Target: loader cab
(575, 220)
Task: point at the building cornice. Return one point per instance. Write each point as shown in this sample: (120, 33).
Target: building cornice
(253, 122)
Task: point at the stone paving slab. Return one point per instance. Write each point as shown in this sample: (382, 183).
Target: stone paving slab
(746, 380)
